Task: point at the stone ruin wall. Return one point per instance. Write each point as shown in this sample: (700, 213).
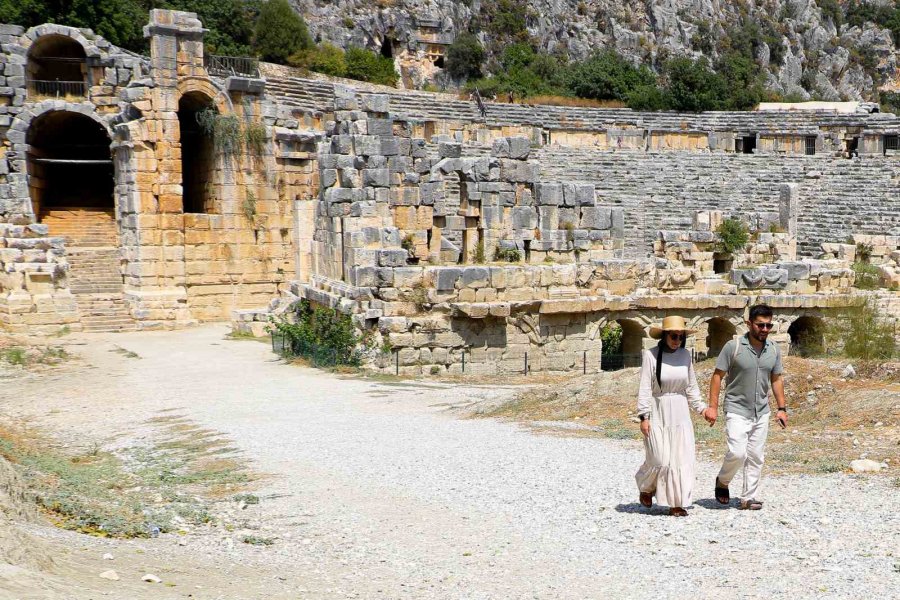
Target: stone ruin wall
(369, 202)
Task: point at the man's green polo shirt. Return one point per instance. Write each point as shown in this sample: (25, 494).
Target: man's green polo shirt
(749, 377)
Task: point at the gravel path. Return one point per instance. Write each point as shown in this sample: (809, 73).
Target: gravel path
(377, 491)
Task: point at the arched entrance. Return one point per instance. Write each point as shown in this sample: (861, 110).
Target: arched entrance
(56, 68)
(719, 332)
(197, 152)
(623, 342)
(70, 174)
(807, 336)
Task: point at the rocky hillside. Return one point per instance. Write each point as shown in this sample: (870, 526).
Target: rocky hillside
(824, 49)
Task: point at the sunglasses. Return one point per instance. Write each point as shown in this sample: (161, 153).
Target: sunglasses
(764, 325)
(676, 336)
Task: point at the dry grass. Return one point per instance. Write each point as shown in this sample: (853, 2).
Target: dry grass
(841, 421)
(576, 102)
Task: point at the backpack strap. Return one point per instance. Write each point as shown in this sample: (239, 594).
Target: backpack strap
(737, 347)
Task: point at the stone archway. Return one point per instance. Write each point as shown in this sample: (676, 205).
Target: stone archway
(56, 68)
(71, 179)
(719, 331)
(197, 153)
(807, 335)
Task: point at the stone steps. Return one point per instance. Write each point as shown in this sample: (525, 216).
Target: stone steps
(96, 281)
(82, 227)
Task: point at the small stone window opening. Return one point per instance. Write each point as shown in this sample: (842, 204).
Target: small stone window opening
(746, 144)
(197, 155)
(810, 145)
(439, 62)
(56, 68)
(722, 265)
(528, 251)
(891, 143)
(852, 146)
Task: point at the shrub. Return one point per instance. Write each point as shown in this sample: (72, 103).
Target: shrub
(831, 10)
(507, 254)
(255, 138)
(280, 32)
(224, 130)
(647, 97)
(693, 86)
(862, 332)
(868, 277)
(322, 334)
(479, 253)
(248, 206)
(465, 56)
(733, 236)
(608, 76)
(325, 58)
(365, 65)
(611, 339)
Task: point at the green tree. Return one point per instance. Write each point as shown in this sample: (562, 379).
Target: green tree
(366, 65)
(465, 56)
(743, 81)
(608, 76)
(647, 97)
(280, 32)
(693, 86)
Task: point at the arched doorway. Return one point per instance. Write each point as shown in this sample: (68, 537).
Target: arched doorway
(807, 336)
(56, 68)
(623, 342)
(718, 332)
(70, 171)
(197, 152)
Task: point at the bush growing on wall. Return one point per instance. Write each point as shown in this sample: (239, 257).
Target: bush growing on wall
(733, 236)
(608, 76)
(325, 58)
(862, 332)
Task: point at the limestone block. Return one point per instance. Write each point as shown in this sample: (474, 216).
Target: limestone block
(476, 277)
(374, 103)
(524, 217)
(796, 270)
(342, 144)
(446, 278)
(765, 277)
(376, 177)
(518, 171)
(548, 217)
(519, 147)
(548, 194)
(449, 150)
(596, 217)
(578, 194)
(500, 148)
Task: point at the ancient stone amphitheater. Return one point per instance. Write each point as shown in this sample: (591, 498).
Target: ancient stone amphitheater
(154, 192)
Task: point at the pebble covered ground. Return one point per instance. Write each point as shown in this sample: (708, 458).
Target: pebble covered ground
(375, 489)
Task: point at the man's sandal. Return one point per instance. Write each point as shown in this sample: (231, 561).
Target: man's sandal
(646, 499)
(677, 511)
(723, 496)
(751, 505)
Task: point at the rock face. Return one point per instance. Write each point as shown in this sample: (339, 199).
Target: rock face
(815, 58)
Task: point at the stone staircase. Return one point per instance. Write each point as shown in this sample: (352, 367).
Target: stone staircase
(95, 277)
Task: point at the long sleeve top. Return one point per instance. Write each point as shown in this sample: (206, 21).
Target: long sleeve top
(677, 378)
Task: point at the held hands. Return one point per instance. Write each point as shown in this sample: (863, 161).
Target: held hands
(711, 414)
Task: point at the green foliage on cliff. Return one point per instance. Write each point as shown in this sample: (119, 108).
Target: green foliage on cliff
(608, 76)
(324, 58)
(465, 56)
(366, 65)
(280, 32)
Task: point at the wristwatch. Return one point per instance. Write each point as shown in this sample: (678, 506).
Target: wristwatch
(643, 417)
(782, 409)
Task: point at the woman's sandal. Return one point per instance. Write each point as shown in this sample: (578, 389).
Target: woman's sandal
(723, 496)
(677, 511)
(751, 505)
(646, 499)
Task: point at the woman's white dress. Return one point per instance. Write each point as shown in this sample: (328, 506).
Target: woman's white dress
(668, 470)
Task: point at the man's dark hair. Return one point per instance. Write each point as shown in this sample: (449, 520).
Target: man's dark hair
(760, 310)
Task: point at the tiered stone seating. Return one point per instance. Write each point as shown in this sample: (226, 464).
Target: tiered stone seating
(95, 277)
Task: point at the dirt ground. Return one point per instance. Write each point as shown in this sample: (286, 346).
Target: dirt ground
(259, 479)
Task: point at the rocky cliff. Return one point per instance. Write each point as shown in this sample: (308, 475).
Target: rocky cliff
(806, 53)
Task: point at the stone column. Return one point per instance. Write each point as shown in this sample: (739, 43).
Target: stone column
(788, 205)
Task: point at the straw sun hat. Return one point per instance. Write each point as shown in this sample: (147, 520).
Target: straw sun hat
(670, 324)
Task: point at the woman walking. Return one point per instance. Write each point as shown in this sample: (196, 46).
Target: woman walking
(668, 385)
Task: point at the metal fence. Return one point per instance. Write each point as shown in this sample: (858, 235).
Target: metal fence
(318, 356)
(227, 66)
(56, 88)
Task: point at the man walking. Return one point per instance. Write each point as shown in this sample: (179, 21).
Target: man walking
(753, 367)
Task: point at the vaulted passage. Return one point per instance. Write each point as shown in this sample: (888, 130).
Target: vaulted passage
(197, 153)
(69, 164)
(56, 67)
(807, 336)
(719, 332)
